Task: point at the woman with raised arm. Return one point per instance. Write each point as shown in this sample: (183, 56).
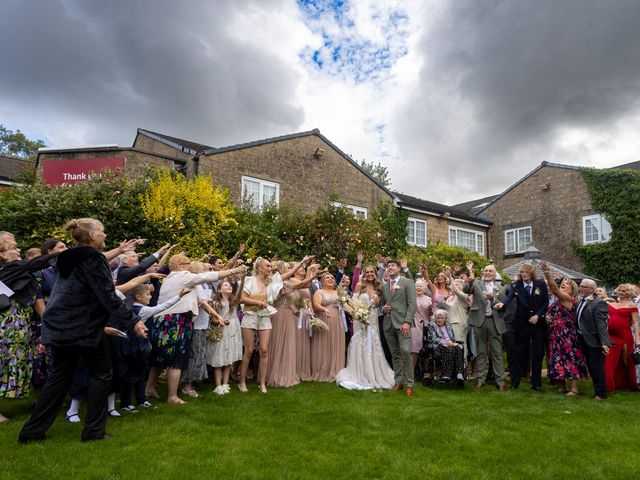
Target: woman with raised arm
(82, 301)
(282, 348)
(566, 359)
(171, 334)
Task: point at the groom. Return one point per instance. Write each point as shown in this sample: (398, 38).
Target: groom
(399, 299)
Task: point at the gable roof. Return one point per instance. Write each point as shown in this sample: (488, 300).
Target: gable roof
(539, 167)
(292, 136)
(12, 167)
(631, 165)
(186, 146)
(439, 209)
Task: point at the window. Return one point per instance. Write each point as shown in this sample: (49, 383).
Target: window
(417, 232)
(517, 240)
(359, 212)
(595, 229)
(260, 193)
(471, 239)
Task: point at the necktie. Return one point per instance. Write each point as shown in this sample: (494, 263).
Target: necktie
(528, 287)
(581, 306)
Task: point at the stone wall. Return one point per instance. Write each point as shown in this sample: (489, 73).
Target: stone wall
(554, 214)
(148, 144)
(304, 179)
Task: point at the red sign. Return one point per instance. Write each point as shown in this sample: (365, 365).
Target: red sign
(57, 172)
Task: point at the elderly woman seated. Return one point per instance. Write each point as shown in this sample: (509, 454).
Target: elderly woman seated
(442, 342)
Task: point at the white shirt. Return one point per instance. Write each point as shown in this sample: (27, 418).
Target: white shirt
(489, 288)
(175, 282)
(201, 321)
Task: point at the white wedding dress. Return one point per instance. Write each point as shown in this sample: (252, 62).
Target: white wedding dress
(367, 367)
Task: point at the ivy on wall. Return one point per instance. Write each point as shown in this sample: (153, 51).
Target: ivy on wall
(615, 193)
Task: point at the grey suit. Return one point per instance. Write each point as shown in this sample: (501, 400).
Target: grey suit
(403, 307)
(592, 319)
(486, 329)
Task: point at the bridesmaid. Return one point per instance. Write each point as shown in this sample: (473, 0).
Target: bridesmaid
(303, 342)
(620, 371)
(282, 351)
(327, 346)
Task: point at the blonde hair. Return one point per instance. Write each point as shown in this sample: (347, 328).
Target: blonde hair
(575, 291)
(6, 244)
(628, 289)
(256, 265)
(529, 268)
(80, 229)
(199, 267)
(281, 266)
(176, 260)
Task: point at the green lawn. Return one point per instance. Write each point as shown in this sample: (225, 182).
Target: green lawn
(322, 431)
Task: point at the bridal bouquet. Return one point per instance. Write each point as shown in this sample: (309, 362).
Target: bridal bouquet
(343, 296)
(299, 303)
(358, 310)
(317, 323)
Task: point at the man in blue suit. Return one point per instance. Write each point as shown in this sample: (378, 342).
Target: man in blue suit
(530, 327)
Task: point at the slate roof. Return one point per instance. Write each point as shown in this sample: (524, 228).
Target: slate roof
(178, 143)
(12, 167)
(632, 165)
(474, 206)
(438, 208)
(555, 270)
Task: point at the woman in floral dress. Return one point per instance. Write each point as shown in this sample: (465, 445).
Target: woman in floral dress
(566, 359)
(16, 348)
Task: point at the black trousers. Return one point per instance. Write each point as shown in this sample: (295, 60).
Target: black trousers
(595, 364)
(529, 338)
(65, 359)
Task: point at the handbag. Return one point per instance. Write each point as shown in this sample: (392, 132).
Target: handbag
(636, 355)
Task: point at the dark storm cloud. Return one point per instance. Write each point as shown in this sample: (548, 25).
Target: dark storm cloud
(501, 79)
(171, 66)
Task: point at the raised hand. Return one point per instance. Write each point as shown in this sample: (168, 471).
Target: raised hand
(404, 264)
(360, 257)
(470, 265)
(342, 263)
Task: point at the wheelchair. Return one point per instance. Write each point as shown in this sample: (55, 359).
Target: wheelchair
(429, 367)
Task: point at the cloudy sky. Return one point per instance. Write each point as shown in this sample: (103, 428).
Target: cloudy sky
(457, 98)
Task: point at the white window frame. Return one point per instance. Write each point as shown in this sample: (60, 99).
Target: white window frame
(516, 236)
(603, 226)
(358, 212)
(411, 223)
(479, 239)
(262, 183)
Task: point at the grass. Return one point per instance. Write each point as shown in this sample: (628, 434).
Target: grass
(322, 431)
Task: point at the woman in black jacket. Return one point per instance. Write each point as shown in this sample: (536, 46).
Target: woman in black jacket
(82, 300)
(16, 347)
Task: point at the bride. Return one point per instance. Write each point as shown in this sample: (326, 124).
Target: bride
(366, 366)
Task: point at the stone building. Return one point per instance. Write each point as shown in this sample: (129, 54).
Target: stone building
(303, 168)
(549, 208)
(431, 222)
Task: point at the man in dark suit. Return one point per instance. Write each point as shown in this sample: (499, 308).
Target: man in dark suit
(529, 327)
(592, 317)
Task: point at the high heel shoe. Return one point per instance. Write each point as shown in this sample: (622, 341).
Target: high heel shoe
(242, 387)
(263, 389)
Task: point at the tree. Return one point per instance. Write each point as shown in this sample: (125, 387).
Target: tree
(16, 144)
(377, 171)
